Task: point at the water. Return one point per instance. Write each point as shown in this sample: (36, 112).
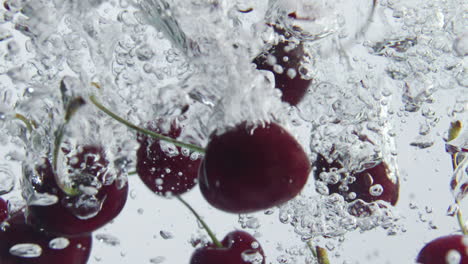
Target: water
(384, 91)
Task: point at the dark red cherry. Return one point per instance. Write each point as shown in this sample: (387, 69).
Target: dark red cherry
(372, 184)
(100, 197)
(440, 250)
(18, 236)
(239, 248)
(286, 69)
(247, 169)
(3, 210)
(162, 172)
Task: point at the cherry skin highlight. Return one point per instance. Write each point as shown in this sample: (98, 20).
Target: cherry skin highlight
(248, 169)
(18, 232)
(84, 212)
(437, 251)
(239, 248)
(162, 173)
(379, 174)
(288, 79)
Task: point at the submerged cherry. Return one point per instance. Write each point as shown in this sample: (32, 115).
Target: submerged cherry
(98, 200)
(21, 243)
(3, 210)
(443, 249)
(165, 171)
(284, 61)
(239, 248)
(248, 168)
(371, 184)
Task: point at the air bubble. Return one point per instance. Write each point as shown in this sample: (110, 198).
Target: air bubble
(252, 256)
(157, 260)
(166, 234)
(59, 243)
(376, 190)
(26, 250)
(108, 239)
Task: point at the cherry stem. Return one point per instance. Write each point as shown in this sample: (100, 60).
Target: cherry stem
(319, 252)
(322, 255)
(26, 122)
(454, 131)
(208, 230)
(145, 131)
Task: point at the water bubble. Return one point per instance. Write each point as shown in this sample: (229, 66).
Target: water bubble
(7, 179)
(376, 190)
(144, 53)
(26, 250)
(84, 206)
(166, 234)
(42, 199)
(460, 45)
(252, 256)
(59, 243)
(157, 260)
(108, 239)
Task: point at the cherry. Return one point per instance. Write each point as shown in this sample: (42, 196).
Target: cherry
(286, 69)
(367, 185)
(17, 234)
(162, 172)
(3, 210)
(438, 251)
(249, 168)
(100, 198)
(239, 247)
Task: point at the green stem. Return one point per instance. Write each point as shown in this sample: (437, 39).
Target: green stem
(454, 130)
(26, 122)
(208, 230)
(311, 247)
(145, 131)
(322, 255)
(319, 253)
